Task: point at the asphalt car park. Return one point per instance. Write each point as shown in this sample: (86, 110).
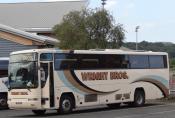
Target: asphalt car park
(150, 110)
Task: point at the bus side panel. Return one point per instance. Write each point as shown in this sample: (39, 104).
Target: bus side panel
(106, 91)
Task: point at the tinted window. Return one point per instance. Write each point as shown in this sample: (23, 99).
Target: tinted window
(46, 57)
(114, 61)
(4, 68)
(108, 61)
(65, 61)
(89, 64)
(4, 65)
(3, 73)
(138, 62)
(90, 61)
(157, 61)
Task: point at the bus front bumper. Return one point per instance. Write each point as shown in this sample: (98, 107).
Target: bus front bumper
(24, 104)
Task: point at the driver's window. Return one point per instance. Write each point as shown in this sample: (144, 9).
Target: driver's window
(44, 73)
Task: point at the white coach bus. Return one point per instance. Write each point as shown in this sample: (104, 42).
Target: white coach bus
(3, 81)
(44, 79)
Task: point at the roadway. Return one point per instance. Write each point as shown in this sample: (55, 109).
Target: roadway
(148, 111)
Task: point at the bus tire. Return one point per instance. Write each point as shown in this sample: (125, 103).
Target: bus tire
(66, 104)
(139, 98)
(39, 112)
(115, 105)
(3, 101)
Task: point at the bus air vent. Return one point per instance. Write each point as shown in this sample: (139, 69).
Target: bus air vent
(127, 95)
(118, 96)
(91, 98)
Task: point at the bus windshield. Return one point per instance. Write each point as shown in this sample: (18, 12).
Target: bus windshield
(23, 71)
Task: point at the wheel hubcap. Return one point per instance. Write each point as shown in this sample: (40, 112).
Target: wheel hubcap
(3, 102)
(66, 105)
(139, 99)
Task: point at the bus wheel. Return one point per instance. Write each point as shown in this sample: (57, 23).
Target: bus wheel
(66, 104)
(39, 112)
(115, 105)
(139, 98)
(3, 101)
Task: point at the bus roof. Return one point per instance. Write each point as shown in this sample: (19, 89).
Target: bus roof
(91, 51)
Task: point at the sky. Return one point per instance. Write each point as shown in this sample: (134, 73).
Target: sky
(156, 18)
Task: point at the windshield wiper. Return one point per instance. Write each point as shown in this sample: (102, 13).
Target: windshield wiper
(28, 88)
(9, 88)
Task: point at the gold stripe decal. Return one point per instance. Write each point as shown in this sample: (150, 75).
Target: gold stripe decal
(160, 85)
(72, 78)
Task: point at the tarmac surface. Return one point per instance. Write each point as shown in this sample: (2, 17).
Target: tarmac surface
(150, 110)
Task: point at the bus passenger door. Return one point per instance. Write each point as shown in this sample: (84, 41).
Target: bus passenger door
(47, 84)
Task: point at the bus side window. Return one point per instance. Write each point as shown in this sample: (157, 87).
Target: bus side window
(3, 73)
(115, 61)
(89, 64)
(139, 61)
(4, 68)
(157, 61)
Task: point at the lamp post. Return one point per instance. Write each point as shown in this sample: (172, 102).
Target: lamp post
(136, 30)
(103, 3)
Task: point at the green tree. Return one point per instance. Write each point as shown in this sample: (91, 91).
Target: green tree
(89, 29)
(172, 63)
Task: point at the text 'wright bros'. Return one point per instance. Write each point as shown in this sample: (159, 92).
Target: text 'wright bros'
(91, 76)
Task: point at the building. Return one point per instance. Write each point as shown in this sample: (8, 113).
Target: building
(12, 39)
(29, 25)
(37, 17)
